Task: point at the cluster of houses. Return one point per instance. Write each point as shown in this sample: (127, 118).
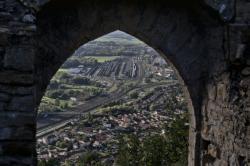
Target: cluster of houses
(101, 132)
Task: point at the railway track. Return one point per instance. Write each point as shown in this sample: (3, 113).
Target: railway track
(69, 116)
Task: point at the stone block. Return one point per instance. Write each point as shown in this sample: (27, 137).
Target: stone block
(14, 148)
(221, 92)
(14, 77)
(245, 82)
(12, 119)
(4, 97)
(2, 52)
(17, 133)
(240, 50)
(17, 161)
(17, 90)
(3, 39)
(248, 62)
(2, 106)
(22, 103)
(246, 71)
(19, 58)
(5, 16)
(28, 18)
(211, 92)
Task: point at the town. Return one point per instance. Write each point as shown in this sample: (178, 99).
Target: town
(100, 131)
(93, 101)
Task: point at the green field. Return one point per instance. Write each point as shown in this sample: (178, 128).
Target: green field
(103, 58)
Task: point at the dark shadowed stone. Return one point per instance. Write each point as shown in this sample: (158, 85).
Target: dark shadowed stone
(245, 83)
(17, 90)
(246, 71)
(17, 161)
(3, 39)
(2, 106)
(22, 148)
(29, 18)
(23, 103)
(17, 133)
(19, 58)
(11, 119)
(4, 97)
(195, 41)
(240, 50)
(248, 62)
(226, 8)
(13, 77)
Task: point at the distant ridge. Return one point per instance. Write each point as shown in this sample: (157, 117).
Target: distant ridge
(113, 44)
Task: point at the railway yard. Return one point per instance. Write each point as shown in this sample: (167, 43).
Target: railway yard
(92, 100)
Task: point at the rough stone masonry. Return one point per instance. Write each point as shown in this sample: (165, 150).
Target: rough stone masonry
(207, 41)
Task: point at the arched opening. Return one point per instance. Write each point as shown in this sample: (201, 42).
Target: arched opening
(212, 57)
(135, 88)
(183, 34)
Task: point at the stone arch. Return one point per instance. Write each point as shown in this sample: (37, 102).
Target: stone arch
(211, 55)
(184, 34)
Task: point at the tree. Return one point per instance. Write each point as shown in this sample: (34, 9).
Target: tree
(61, 144)
(134, 95)
(129, 153)
(57, 102)
(154, 151)
(50, 162)
(157, 150)
(68, 163)
(88, 159)
(64, 105)
(89, 117)
(177, 136)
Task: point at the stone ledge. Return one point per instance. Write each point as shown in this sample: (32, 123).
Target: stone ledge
(14, 77)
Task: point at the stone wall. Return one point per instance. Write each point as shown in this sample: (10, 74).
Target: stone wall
(226, 107)
(17, 116)
(208, 44)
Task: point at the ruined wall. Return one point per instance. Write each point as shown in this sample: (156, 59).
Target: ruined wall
(17, 116)
(212, 55)
(226, 107)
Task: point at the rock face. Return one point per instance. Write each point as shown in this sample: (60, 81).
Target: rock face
(210, 54)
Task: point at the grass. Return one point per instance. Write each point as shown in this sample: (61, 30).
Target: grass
(103, 58)
(77, 87)
(121, 41)
(51, 101)
(113, 88)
